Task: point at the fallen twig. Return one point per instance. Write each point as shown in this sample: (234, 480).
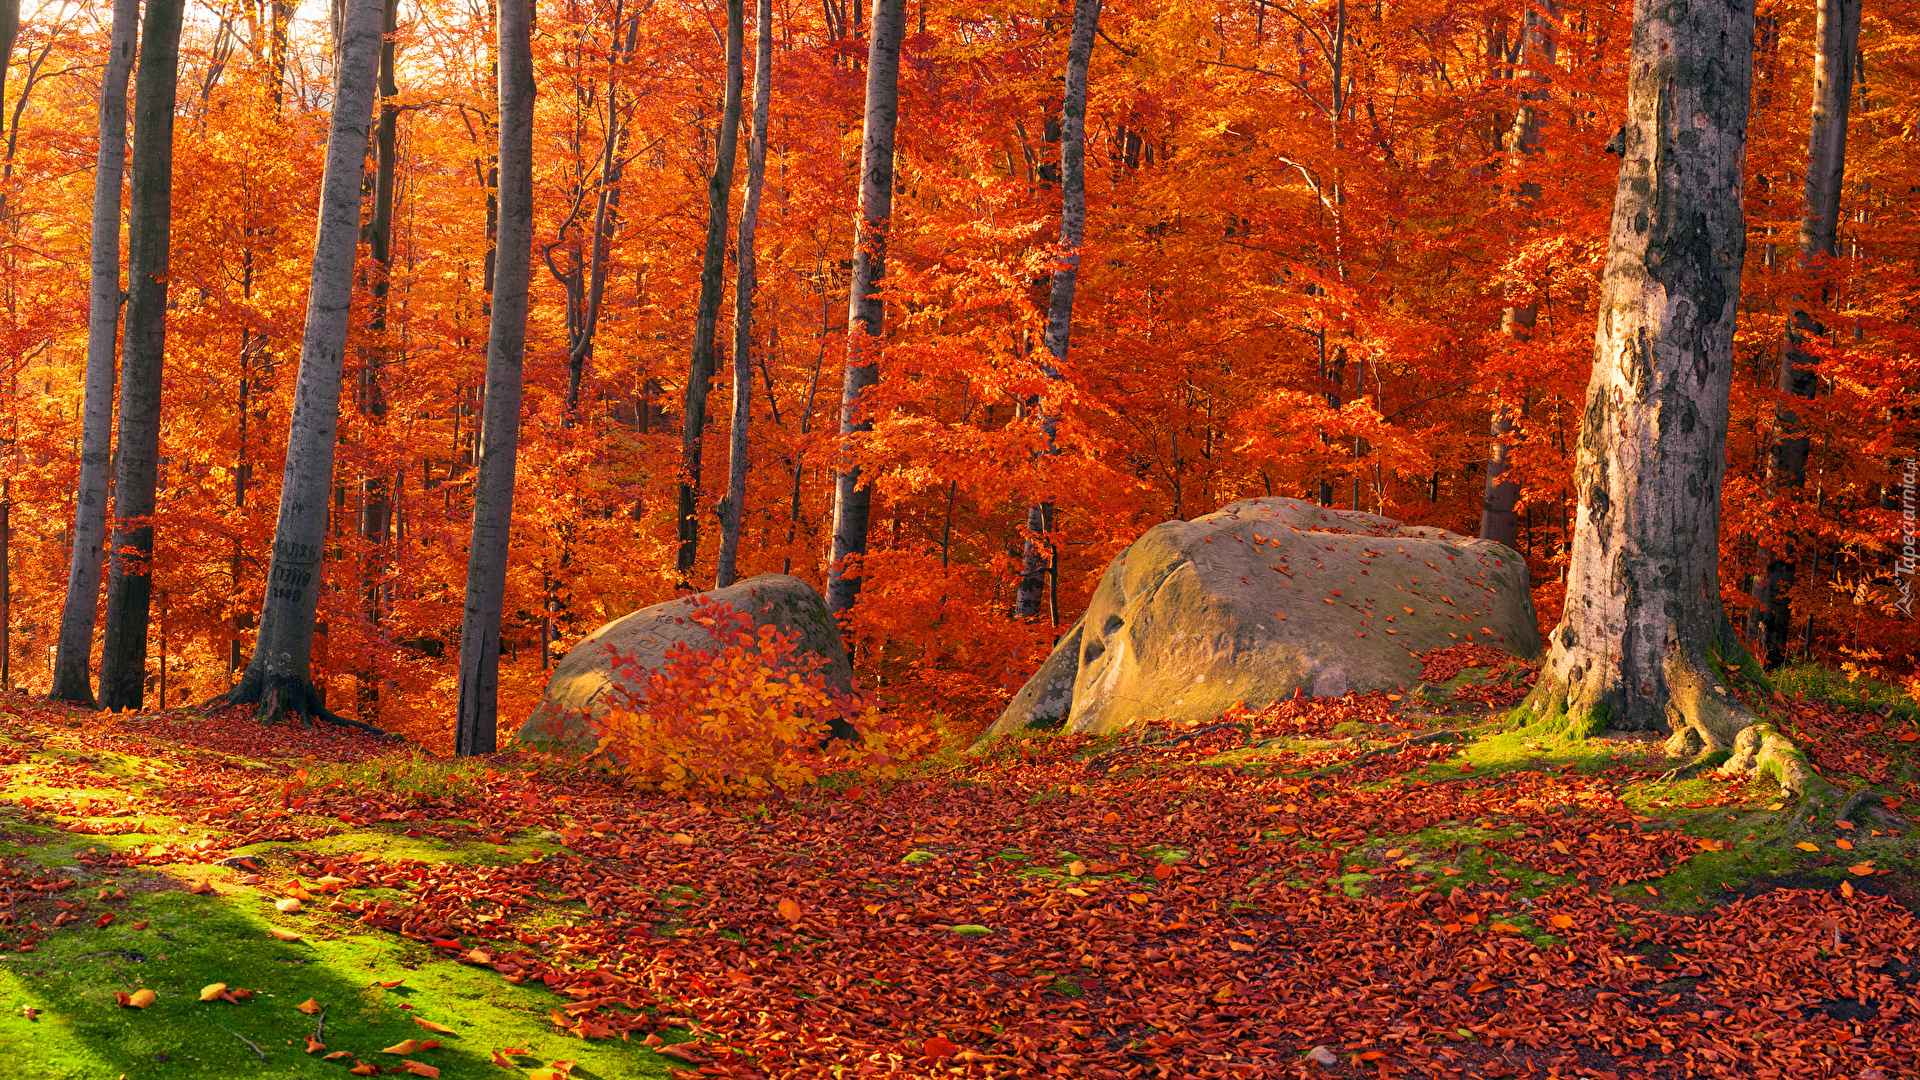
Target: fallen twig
(319, 1026)
(1143, 746)
(244, 1039)
(1391, 748)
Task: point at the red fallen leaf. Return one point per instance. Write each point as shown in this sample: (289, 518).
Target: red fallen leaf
(337, 1055)
(686, 1052)
(940, 1047)
(417, 1069)
(500, 1056)
(103, 920)
(314, 1044)
(1910, 736)
(365, 1068)
(141, 925)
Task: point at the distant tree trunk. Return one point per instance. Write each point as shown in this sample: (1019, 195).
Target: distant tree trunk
(73, 657)
(376, 511)
(279, 676)
(853, 499)
(123, 657)
(9, 30)
(1836, 47)
(712, 281)
(1538, 49)
(1644, 629)
(1039, 564)
(744, 285)
(477, 722)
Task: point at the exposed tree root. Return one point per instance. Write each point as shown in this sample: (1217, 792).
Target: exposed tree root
(279, 700)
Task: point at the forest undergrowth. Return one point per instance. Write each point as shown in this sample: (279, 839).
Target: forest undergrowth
(1376, 885)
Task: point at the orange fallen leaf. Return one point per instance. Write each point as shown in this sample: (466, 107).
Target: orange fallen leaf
(337, 1055)
(404, 1046)
(418, 1069)
(200, 887)
(289, 905)
(789, 910)
(1561, 922)
(437, 1029)
(314, 1044)
(1846, 889)
(283, 935)
(1861, 869)
(1479, 988)
(308, 1006)
(212, 991)
(365, 1068)
(940, 1047)
(1843, 844)
(500, 1056)
(1804, 846)
(103, 920)
(139, 999)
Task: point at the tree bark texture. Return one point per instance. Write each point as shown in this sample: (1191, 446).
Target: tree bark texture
(477, 722)
(72, 679)
(1037, 563)
(1644, 629)
(279, 675)
(712, 284)
(123, 656)
(1836, 50)
(852, 498)
(727, 568)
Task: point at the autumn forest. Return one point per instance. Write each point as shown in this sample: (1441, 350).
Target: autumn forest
(1326, 248)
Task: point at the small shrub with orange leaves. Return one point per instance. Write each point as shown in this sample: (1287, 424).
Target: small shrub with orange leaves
(749, 715)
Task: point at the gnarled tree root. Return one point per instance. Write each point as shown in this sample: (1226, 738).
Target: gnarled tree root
(283, 702)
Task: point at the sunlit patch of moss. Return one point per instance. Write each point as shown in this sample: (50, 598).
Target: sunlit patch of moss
(404, 772)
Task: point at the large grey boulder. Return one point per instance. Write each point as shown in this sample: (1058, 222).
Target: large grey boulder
(1265, 597)
(583, 680)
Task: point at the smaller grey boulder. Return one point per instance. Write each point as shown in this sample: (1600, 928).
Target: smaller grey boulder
(583, 681)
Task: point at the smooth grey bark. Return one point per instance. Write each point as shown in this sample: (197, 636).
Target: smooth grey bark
(123, 647)
(376, 504)
(1639, 645)
(1836, 50)
(853, 499)
(712, 285)
(1037, 564)
(72, 660)
(478, 720)
(726, 568)
(1499, 520)
(279, 674)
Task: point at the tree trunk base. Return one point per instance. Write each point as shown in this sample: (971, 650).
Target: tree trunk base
(279, 700)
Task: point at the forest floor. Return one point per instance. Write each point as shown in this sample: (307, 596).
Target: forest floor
(1237, 899)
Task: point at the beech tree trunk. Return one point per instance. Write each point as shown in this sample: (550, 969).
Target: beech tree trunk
(1644, 629)
(1499, 521)
(279, 675)
(712, 283)
(477, 722)
(1836, 45)
(1038, 564)
(376, 512)
(123, 656)
(743, 289)
(852, 498)
(73, 656)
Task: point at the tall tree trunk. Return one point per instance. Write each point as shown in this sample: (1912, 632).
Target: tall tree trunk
(743, 288)
(1538, 49)
(279, 676)
(73, 656)
(1039, 564)
(478, 718)
(1644, 630)
(9, 30)
(1835, 53)
(375, 508)
(712, 273)
(123, 658)
(852, 498)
